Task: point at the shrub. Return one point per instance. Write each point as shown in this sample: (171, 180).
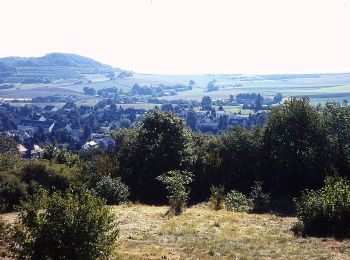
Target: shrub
(217, 197)
(75, 225)
(260, 200)
(325, 212)
(236, 201)
(176, 184)
(50, 176)
(12, 191)
(113, 190)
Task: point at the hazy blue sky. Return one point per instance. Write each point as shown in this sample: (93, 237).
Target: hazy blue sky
(184, 36)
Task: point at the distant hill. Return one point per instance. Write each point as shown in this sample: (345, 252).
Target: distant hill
(51, 67)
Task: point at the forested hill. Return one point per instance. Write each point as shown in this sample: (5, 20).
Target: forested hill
(50, 67)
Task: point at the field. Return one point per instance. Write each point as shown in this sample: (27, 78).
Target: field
(200, 233)
(319, 87)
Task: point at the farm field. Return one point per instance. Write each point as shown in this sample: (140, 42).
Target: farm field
(200, 233)
(319, 88)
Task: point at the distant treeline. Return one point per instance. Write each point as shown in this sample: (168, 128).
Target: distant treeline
(295, 150)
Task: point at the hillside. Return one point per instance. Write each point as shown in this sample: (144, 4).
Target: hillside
(50, 68)
(200, 233)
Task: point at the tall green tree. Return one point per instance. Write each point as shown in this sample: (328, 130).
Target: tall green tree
(337, 125)
(239, 154)
(295, 153)
(158, 145)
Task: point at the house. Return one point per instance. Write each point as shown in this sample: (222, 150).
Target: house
(36, 152)
(104, 140)
(22, 150)
(89, 145)
(50, 109)
(38, 117)
(24, 136)
(34, 126)
(68, 128)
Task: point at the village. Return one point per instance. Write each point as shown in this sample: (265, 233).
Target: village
(86, 127)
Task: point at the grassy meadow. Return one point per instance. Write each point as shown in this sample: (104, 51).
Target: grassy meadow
(200, 233)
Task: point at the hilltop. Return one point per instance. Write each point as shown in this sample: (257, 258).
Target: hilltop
(51, 67)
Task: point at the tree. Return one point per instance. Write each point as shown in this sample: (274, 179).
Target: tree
(177, 186)
(89, 91)
(206, 102)
(191, 119)
(160, 144)
(238, 150)
(336, 119)
(8, 146)
(9, 154)
(75, 225)
(112, 190)
(277, 98)
(258, 102)
(295, 154)
(223, 122)
(191, 83)
(212, 87)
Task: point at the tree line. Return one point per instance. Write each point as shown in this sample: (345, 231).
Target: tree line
(295, 150)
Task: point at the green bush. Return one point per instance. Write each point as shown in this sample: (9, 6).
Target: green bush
(113, 190)
(50, 176)
(217, 197)
(260, 200)
(60, 156)
(12, 191)
(236, 201)
(75, 225)
(325, 212)
(176, 184)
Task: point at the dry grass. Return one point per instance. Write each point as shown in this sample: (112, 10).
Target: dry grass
(201, 233)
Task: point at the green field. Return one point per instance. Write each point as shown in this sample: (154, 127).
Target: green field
(319, 88)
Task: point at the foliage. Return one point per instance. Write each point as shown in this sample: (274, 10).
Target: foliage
(336, 120)
(9, 155)
(113, 190)
(89, 91)
(206, 102)
(177, 186)
(295, 149)
(12, 191)
(236, 201)
(238, 148)
(48, 175)
(161, 143)
(61, 156)
(326, 212)
(260, 200)
(217, 197)
(75, 225)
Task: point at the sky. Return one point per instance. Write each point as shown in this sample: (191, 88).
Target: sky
(184, 36)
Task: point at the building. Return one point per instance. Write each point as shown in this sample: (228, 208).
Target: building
(34, 126)
(50, 109)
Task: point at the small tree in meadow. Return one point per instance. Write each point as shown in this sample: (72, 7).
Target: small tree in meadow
(74, 225)
(237, 201)
(177, 186)
(260, 200)
(217, 197)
